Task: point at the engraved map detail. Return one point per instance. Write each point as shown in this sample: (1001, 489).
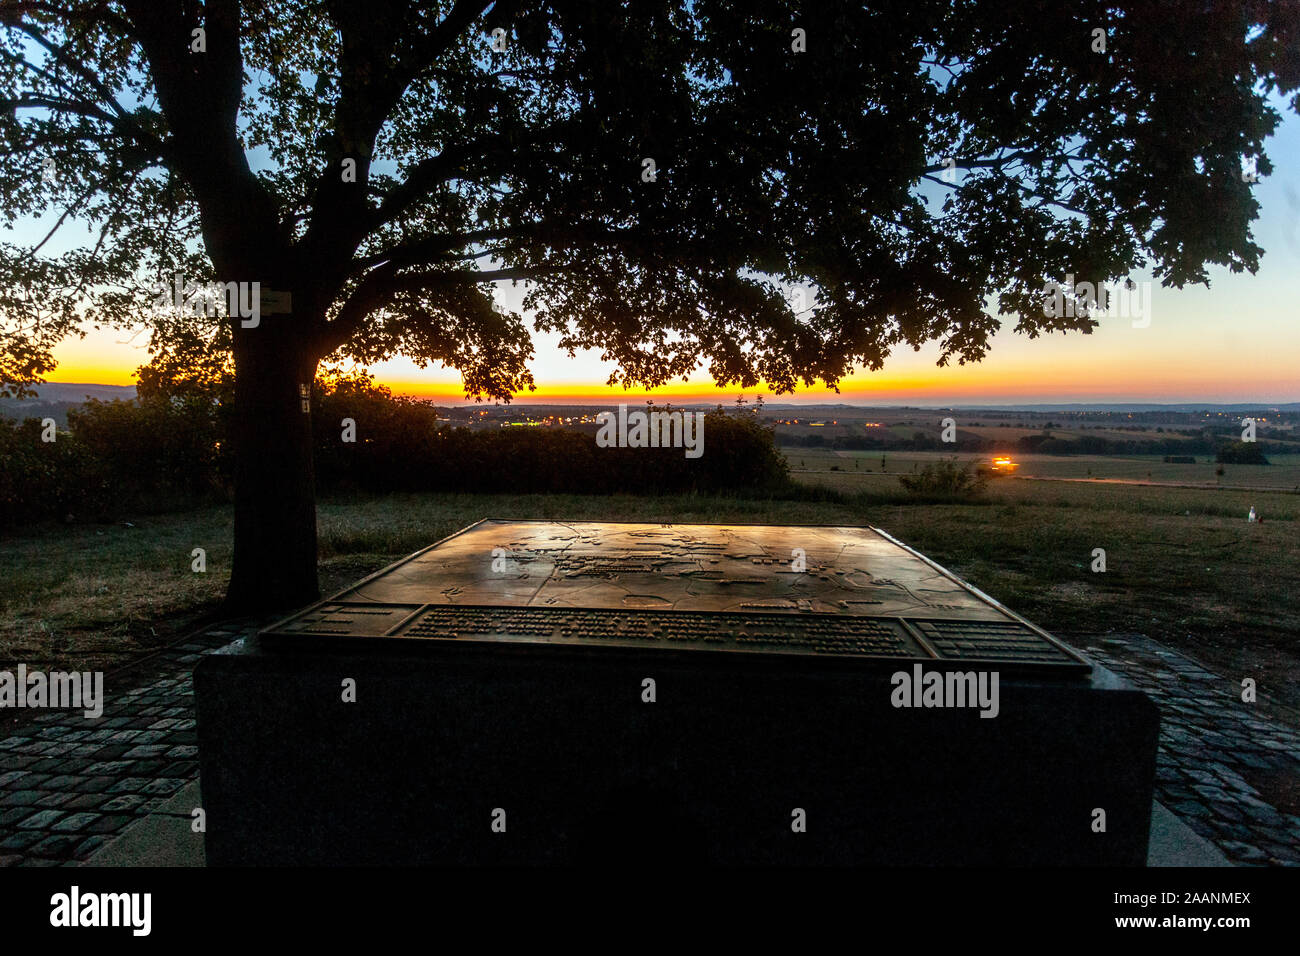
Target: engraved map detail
(849, 571)
(775, 589)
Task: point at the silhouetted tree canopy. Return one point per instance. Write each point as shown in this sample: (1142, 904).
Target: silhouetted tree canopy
(660, 174)
(474, 164)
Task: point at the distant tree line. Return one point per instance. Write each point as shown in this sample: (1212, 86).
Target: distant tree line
(1208, 443)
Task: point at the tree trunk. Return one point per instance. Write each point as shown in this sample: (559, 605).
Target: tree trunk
(275, 497)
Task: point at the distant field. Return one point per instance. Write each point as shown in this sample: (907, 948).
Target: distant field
(1283, 472)
(1010, 433)
(890, 424)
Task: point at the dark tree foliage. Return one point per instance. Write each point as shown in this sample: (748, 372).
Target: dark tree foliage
(383, 162)
(152, 454)
(1242, 453)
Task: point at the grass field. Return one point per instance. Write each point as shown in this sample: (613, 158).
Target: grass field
(1281, 474)
(1183, 565)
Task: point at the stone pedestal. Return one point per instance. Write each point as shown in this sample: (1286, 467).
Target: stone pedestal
(645, 693)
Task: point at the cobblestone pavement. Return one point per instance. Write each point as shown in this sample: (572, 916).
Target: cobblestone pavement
(1228, 771)
(68, 784)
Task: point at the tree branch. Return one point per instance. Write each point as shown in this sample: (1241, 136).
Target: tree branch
(379, 287)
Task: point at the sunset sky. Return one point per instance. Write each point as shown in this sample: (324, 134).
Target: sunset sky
(1237, 341)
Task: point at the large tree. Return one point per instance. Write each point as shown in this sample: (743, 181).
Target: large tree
(659, 174)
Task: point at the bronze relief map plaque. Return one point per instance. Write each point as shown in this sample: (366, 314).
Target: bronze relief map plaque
(849, 592)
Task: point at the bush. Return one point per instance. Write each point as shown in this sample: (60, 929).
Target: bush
(40, 479)
(156, 453)
(945, 480)
(1242, 453)
(400, 446)
(114, 456)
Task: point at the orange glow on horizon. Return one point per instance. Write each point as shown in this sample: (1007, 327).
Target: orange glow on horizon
(969, 384)
(79, 374)
(1077, 371)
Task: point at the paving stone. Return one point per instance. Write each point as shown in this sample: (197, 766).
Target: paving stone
(61, 749)
(21, 840)
(89, 845)
(112, 768)
(110, 824)
(145, 751)
(41, 820)
(74, 822)
(1278, 851)
(111, 751)
(1265, 815)
(1243, 851)
(129, 785)
(1250, 760)
(66, 782)
(59, 846)
(164, 787)
(85, 801)
(38, 748)
(126, 801)
(14, 814)
(96, 784)
(1226, 811)
(21, 798)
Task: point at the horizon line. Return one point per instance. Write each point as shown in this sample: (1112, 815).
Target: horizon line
(643, 398)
